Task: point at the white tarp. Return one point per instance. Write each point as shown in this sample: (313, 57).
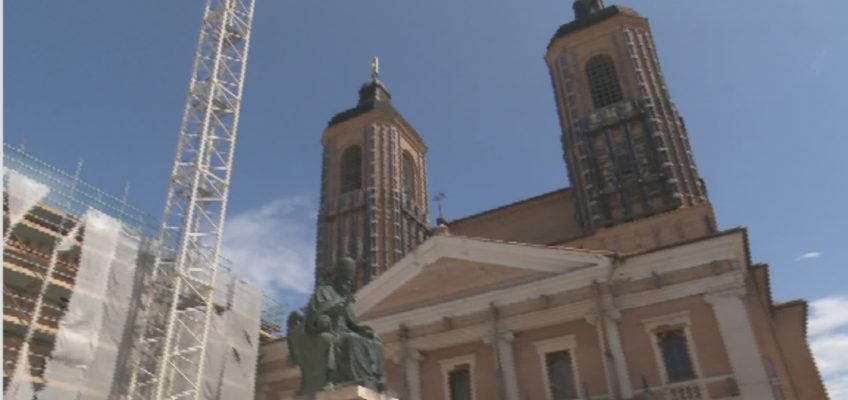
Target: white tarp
(240, 369)
(92, 339)
(23, 193)
(100, 376)
(20, 387)
(233, 344)
(78, 339)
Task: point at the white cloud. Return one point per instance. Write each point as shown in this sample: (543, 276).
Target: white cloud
(273, 245)
(809, 256)
(828, 314)
(828, 330)
(830, 351)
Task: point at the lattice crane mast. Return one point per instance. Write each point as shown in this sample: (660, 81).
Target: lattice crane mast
(169, 363)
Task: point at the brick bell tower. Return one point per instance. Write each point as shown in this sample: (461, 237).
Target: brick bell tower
(373, 185)
(625, 145)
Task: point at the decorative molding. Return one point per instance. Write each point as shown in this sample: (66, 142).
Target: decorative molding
(555, 344)
(554, 260)
(447, 365)
(569, 343)
(503, 336)
(681, 319)
(735, 291)
(676, 258)
(677, 318)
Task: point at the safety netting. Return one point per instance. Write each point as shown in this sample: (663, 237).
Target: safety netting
(80, 260)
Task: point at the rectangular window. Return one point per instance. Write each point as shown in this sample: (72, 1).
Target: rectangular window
(560, 375)
(675, 354)
(459, 380)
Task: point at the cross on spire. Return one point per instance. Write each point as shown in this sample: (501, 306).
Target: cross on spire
(375, 68)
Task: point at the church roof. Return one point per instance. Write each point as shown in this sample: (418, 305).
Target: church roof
(506, 206)
(589, 20)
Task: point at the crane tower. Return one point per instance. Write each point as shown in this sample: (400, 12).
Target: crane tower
(176, 311)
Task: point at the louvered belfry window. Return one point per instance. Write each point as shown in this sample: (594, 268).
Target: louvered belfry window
(351, 169)
(603, 81)
(408, 170)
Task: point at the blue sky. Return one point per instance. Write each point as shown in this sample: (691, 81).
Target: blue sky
(761, 86)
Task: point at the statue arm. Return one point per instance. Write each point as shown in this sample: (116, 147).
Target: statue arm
(354, 325)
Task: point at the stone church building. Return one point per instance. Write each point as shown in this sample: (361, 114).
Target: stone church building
(618, 287)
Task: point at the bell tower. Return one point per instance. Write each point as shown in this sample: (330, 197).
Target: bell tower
(373, 185)
(624, 143)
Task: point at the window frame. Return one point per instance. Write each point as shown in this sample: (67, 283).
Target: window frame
(593, 84)
(552, 345)
(448, 365)
(341, 168)
(677, 320)
(406, 157)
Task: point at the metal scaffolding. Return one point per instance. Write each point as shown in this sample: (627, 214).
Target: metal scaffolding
(63, 237)
(178, 308)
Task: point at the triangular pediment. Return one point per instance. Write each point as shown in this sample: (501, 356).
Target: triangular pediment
(448, 268)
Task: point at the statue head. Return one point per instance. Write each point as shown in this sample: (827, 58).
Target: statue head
(345, 276)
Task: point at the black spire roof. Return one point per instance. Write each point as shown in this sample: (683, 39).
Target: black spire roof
(373, 95)
(587, 13)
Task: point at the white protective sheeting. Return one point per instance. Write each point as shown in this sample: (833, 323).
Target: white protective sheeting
(232, 350)
(100, 377)
(70, 370)
(20, 387)
(240, 368)
(24, 193)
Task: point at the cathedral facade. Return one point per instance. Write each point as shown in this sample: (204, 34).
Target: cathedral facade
(618, 287)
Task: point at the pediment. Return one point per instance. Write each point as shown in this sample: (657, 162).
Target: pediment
(448, 268)
(449, 279)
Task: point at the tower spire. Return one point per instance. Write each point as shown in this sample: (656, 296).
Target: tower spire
(585, 8)
(374, 186)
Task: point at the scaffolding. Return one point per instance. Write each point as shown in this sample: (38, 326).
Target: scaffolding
(75, 258)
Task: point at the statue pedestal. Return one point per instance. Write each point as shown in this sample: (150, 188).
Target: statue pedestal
(351, 393)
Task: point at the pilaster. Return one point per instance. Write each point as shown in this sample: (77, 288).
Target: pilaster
(610, 339)
(740, 343)
(502, 342)
(412, 374)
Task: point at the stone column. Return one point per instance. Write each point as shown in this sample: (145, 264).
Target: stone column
(610, 339)
(740, 344)
(506, 357)
(617, 350)
(412, 374)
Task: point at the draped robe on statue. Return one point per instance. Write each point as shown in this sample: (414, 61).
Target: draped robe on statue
(330, 346)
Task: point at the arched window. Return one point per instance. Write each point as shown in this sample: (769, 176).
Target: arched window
(408, 171)
(351, 171)
(603, 81)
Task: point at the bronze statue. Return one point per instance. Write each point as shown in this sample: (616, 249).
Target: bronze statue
(328, 344)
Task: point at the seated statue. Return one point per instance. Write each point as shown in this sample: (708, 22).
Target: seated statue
(328, 344)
